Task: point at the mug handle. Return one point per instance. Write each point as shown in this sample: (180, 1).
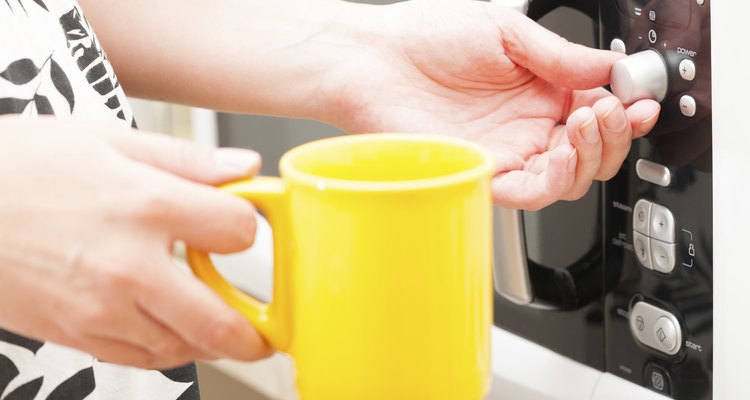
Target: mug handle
(273, 320)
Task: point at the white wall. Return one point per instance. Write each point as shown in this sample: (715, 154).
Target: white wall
(731, 144)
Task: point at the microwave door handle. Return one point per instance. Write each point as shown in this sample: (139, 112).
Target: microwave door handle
(511, 272)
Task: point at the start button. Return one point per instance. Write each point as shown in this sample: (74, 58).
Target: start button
(656, 328)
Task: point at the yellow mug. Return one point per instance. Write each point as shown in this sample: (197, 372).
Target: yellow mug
(382, 267)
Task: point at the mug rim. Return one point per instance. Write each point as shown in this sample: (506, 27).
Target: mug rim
(485, 167)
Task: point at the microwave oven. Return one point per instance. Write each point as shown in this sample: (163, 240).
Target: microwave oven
(622, 279)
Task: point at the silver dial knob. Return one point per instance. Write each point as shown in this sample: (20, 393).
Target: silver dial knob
(640, 76)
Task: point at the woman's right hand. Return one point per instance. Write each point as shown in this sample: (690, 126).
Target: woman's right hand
(88, 218)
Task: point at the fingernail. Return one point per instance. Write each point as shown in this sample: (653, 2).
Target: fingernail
(236, 161)
(615, 119)
(648, 123)
(588, 129)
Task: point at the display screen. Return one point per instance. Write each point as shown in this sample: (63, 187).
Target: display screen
(669, 13)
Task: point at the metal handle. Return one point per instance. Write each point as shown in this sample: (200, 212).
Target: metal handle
(511, 272)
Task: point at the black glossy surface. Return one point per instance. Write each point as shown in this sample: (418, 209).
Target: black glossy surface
(669, 13)
(576, 334)
(683, 144)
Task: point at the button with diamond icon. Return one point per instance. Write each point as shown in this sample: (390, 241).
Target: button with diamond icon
(661, 335)
(665, 333)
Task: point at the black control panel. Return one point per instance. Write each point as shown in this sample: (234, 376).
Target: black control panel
(622, 279)
(658, 210)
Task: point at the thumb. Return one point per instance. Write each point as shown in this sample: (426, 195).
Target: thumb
(198, 163)
(550, 56)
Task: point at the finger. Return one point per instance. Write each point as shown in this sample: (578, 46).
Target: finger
(550, 56)
(529, 190)
(643, 115)
(200, 317)
(584, 98)
(134, 326)
(119, 352)
(640, 119)
(617, 135)
(203, 164)
(583, 134)
(202, 216)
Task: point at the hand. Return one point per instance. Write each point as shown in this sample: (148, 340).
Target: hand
(88, 225)
(489, 74)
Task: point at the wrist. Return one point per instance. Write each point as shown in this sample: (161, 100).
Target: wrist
(350, 34)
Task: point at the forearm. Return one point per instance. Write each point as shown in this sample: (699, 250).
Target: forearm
(249, 56)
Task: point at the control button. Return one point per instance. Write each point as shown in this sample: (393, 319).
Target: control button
(642, 248)
(652, 172)
(665, 332)
(652, 36)
(687, 70)
(639, 76)
(662, 224)
(642, 216)
(663, 256)
(657, 379)
(655, 328)
(687, 105)
(617, 45)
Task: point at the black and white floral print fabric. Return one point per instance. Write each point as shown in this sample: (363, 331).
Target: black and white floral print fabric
(51, 63)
